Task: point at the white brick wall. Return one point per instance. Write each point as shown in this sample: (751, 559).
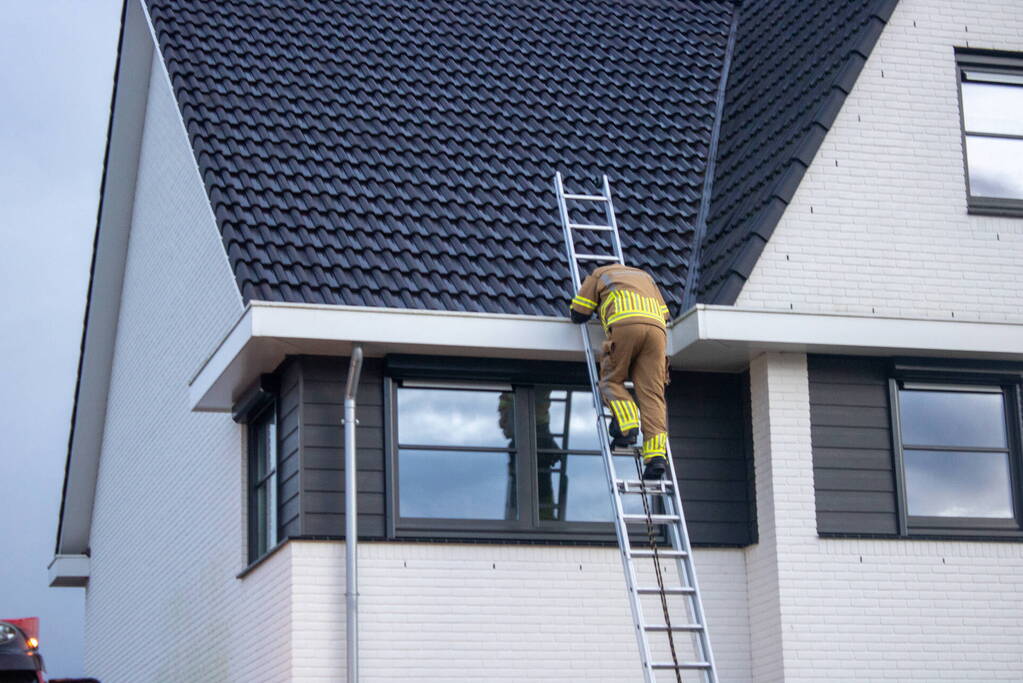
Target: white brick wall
(864, 610)
(482, 612)
(167, 533)
(879, 223)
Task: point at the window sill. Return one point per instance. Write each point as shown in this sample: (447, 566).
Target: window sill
(982, 206)
(261, 559)
(935, 535)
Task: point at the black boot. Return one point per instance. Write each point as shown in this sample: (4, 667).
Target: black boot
(655, 467)
(620, 440)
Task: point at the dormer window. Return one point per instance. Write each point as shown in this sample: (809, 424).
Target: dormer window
(991, 94)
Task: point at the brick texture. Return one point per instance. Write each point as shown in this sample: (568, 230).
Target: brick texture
(863, 610)
(879, 223)
(482, 612)
(163, 603)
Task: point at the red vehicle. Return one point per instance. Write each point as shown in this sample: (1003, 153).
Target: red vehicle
(20, 661)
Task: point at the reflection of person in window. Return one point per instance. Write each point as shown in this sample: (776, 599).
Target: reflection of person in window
(544, 442)
(545, 461)
(506, 420)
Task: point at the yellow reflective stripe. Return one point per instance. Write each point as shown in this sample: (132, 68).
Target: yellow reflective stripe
(625, 413)
(631, 314)
(656, 445)
(584, 302)
(608, 300)
(629, 304)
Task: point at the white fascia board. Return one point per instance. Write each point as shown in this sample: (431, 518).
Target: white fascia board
(69, 571)
(718, 338)
(268, 331)
(103, 307)
(725, 337)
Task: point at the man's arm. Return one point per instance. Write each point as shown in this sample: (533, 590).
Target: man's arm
(585, 302)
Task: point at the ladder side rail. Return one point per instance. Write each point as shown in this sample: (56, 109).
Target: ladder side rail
(621, 530)
(679, 533)
(573, 265)
(609, 211)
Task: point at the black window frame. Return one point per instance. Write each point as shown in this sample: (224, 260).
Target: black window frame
(264, 533)
(1008, 385)
(528, 526)
(255, 410)
(995, 62)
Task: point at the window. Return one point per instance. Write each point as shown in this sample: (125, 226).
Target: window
(959, 462)
(262, 443)
(472, 458)
(991, 95)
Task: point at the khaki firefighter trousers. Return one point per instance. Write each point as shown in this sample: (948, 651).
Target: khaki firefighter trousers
(636, 352)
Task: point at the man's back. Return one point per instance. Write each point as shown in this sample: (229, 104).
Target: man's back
(621, 295)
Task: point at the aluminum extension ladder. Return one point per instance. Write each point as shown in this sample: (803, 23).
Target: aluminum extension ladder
(663, 492)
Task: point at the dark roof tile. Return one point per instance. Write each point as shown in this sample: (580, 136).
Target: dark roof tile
(793, 65)
(413, 144)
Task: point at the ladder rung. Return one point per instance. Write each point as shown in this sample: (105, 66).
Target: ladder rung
(680, 665)
(587, 197)
(653, 519)
(643, 485)
(660, 553)
(683, 627)
(595, 257)
(668, 590)
(588, 226)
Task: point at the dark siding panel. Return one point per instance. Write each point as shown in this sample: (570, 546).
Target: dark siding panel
(707, 421)
(707, 426)
(854, 478)
(323, 387)
(289, 434)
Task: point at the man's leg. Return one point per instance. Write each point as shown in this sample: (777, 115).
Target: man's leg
(648, 369)
(615, 363)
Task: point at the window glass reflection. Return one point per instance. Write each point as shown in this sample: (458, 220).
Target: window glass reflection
(573, 488)
(455, 417)
(565, 420)
(955, 484)
(456, 484)
(952, 418)
(995, 167)
(991, 108)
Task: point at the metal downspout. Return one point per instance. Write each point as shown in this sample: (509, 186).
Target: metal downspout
(351, 517)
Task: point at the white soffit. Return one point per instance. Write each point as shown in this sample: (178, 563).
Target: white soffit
(725, 338)
(69, 571)
(266, 332)
(716, 338)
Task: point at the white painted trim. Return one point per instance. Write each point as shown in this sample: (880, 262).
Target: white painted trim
(268, 331)
(69, 571)
(720, 338)
(107, 277)
(726, 337)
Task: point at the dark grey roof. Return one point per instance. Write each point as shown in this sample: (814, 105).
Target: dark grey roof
(792, 67)
(401, 152)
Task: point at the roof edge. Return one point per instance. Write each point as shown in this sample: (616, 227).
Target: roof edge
(693, 276)
(727, 291)
(106, 274)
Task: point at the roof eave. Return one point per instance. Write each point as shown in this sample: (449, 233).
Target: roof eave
(116, 202)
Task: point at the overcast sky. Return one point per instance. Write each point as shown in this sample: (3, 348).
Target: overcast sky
(57, 59)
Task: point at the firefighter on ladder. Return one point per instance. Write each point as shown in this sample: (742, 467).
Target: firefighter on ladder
(633, 314)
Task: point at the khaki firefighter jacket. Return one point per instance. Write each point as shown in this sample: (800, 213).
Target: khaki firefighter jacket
(621, 295)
